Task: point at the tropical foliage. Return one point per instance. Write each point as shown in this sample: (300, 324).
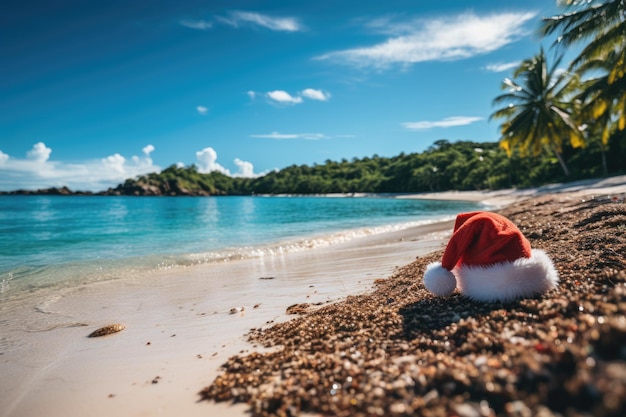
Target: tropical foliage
(538, 110)
(463, 165)
(602, 61)
(546, 108)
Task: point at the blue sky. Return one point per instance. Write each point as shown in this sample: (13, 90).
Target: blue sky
(92, 93)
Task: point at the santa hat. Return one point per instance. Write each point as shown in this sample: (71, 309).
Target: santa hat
(489, 259)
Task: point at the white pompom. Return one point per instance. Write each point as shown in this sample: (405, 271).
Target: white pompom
(439, 280)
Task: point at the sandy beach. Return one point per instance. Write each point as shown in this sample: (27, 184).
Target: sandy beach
(178, 330)
(400, 351)
(368, 340)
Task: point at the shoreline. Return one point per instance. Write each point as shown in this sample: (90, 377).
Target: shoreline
(502, 198)
(89, 251)
(179, 332)
(400, 351)
(88, 271)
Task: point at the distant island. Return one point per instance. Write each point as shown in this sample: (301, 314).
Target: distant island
(463, 165)
(48, 191)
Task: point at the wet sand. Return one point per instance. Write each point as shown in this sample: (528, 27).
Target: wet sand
(363, 298)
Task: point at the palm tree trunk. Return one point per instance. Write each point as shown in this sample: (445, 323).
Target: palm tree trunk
(605, 168)
(562, 162)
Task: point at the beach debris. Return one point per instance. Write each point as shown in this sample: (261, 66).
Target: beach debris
(298, 308)
(257, 305)
(107, 330)
(236, 310)
(156, 379)
(266, 278)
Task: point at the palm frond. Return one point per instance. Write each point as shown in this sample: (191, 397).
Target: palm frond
(606, 41)
(581, 23)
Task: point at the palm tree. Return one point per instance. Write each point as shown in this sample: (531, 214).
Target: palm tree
(600, 113)
(604, 24)
(537, 114)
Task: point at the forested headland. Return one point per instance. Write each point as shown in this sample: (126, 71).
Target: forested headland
(463, 165)
(444, 166)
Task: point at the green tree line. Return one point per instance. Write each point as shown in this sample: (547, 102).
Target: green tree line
(463, 165)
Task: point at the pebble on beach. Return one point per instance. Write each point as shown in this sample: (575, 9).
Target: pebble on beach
(107, 330)
(559, 354)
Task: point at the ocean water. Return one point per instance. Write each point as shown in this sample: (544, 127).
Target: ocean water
(64, 241)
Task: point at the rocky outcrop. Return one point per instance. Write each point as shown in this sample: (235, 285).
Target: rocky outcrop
(168, 188)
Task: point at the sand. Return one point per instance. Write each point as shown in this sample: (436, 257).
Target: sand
(420, 354)
(399, 351)
(179, 327)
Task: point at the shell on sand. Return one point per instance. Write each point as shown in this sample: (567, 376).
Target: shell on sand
(106, 330)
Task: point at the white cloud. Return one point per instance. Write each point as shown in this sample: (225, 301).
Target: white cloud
(502, 66)
(114, 162)
(146, 161)
(39, 153)
(197, 24)
(284, 97)
(285, 24)
(202, 110)
(38, 171)
(448, 38)
(148, 149)
(390, 25)
(287, 136)
(207, 162)
(251, 94)
(447, 122)
(315, 94)
(238, 18)
(246, 169)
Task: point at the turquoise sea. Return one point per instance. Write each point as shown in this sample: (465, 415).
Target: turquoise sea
(66, 240)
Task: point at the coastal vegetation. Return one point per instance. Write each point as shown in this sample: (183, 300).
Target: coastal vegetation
(547, 106)
(464, 165)
(539, 113)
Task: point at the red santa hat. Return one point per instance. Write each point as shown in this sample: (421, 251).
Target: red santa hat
(489, 259)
